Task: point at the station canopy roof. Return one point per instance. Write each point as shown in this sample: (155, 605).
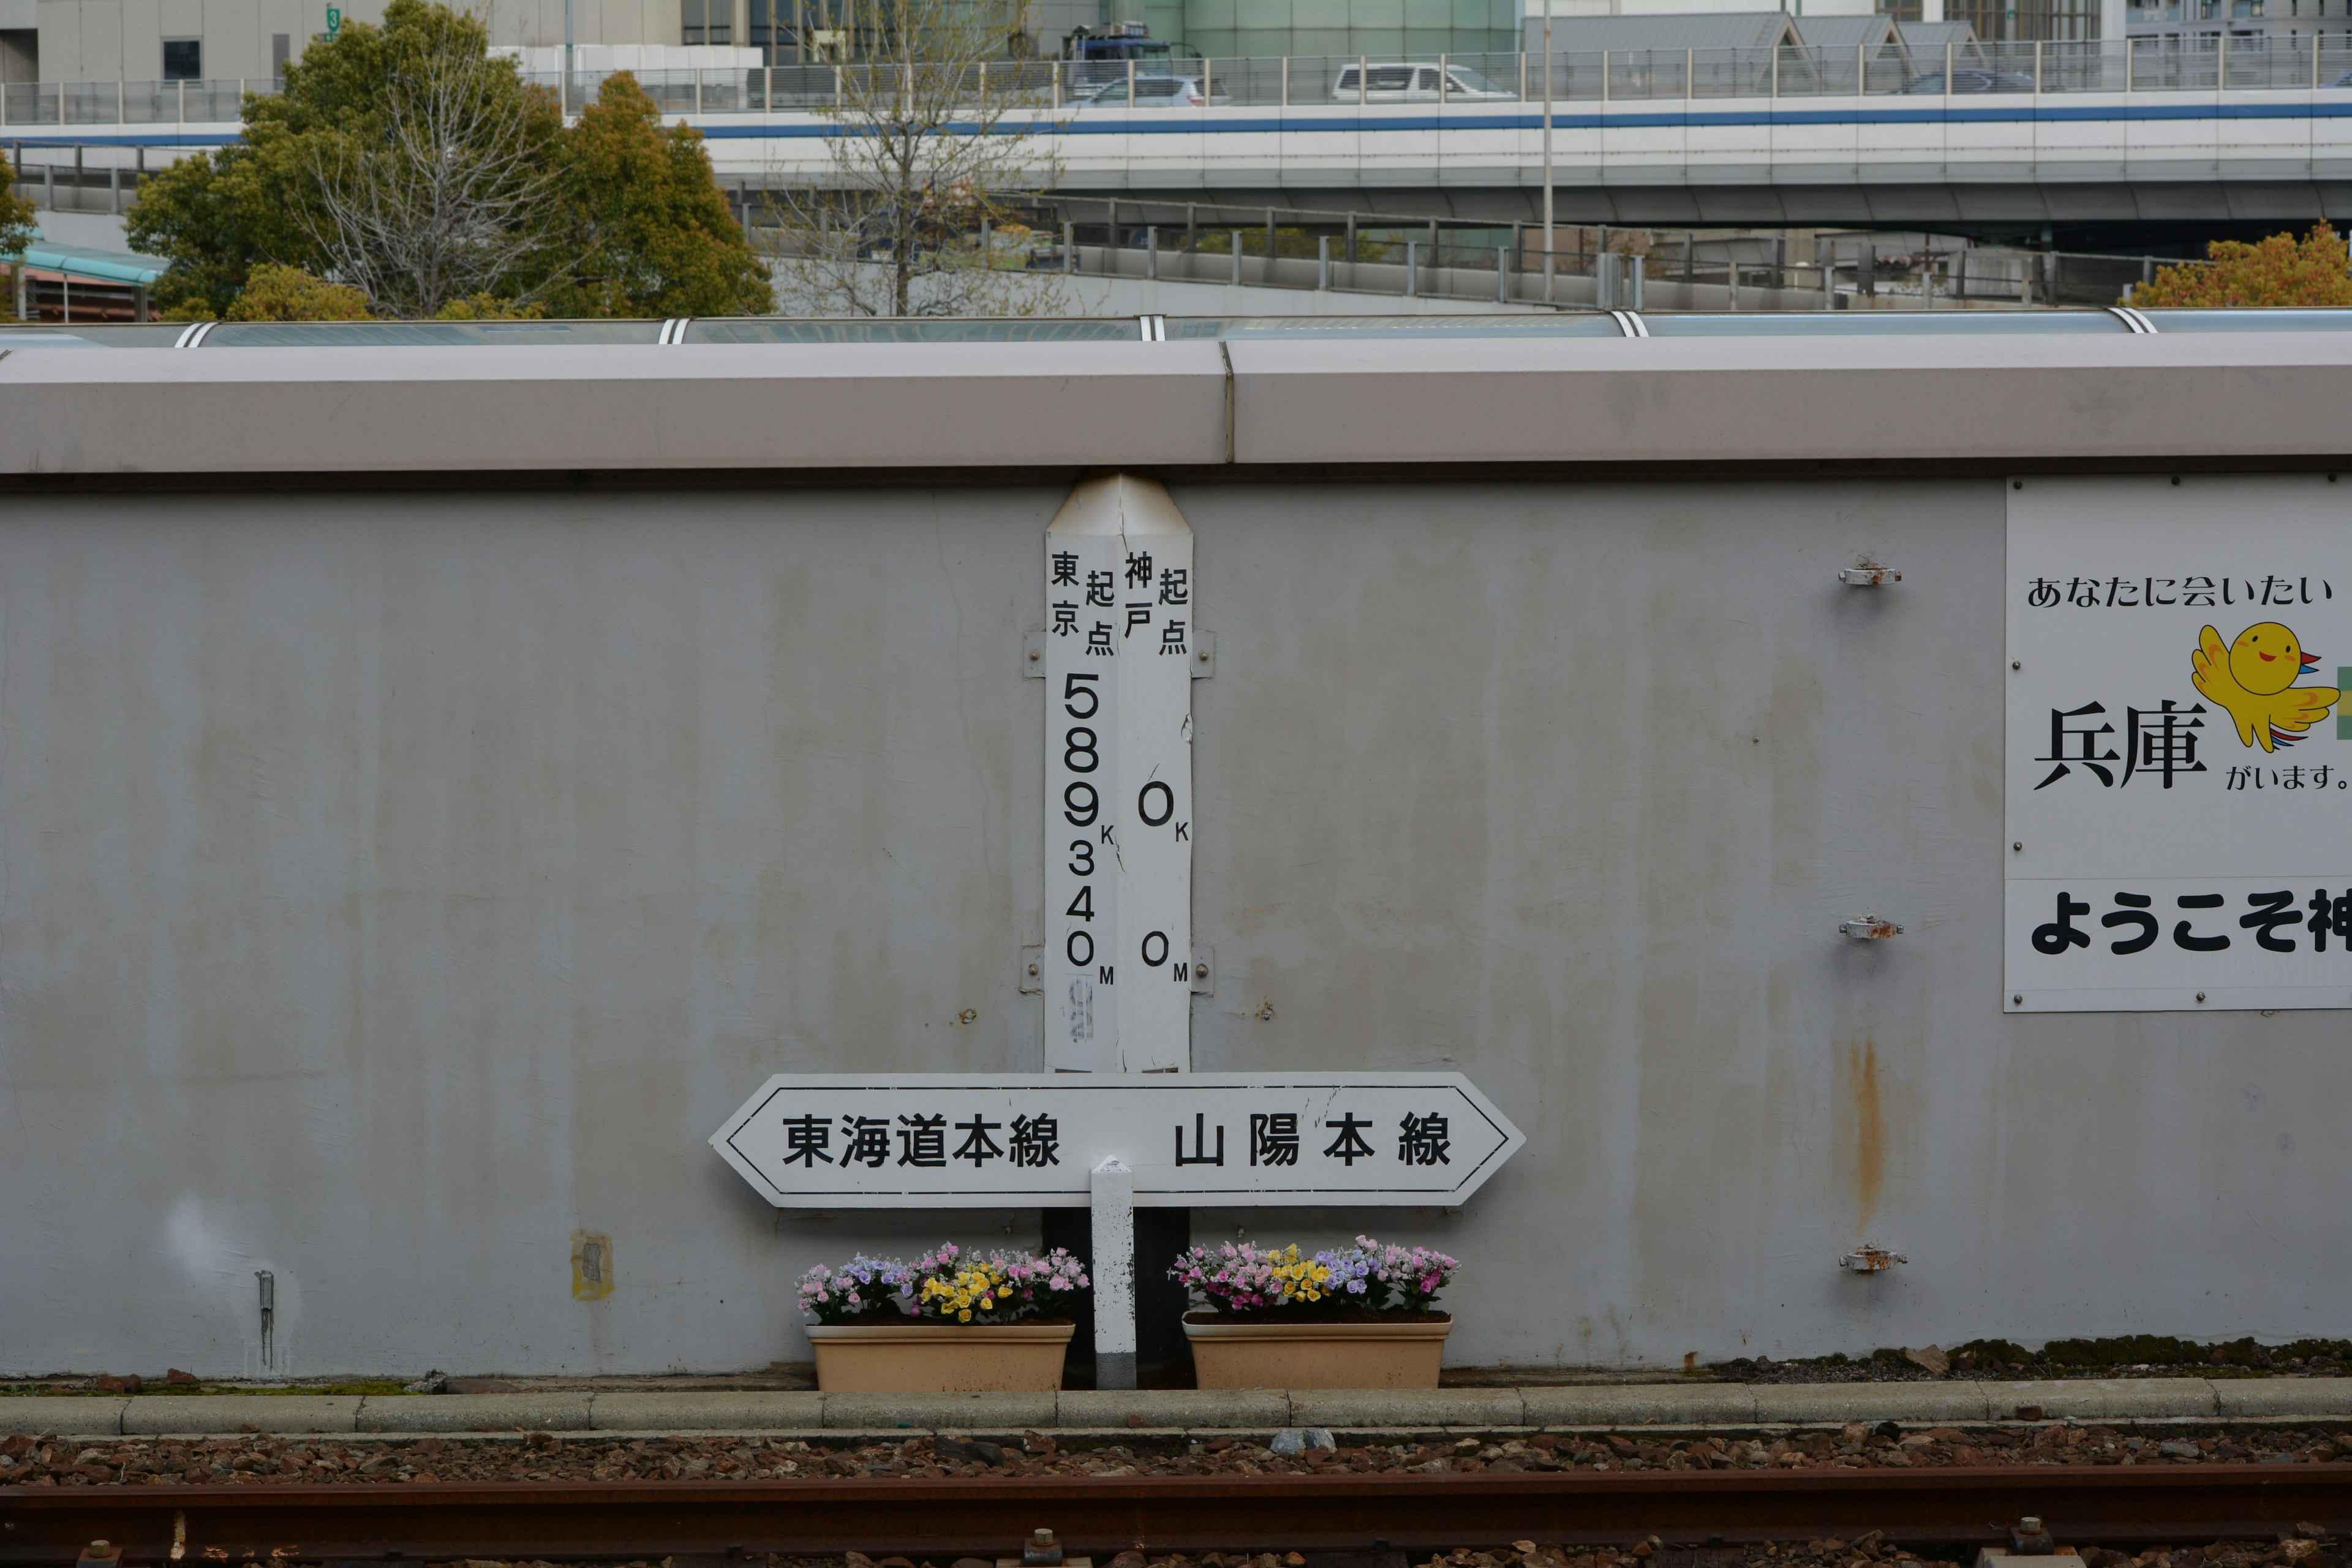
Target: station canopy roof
(80, 261)
(1846, 34)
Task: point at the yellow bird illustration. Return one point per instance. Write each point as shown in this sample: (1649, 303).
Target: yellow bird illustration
(2254, 677)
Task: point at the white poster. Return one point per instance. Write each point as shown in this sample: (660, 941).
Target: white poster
(2180, 781)
(1120, 640)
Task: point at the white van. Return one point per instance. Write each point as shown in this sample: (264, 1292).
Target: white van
(1403, 83)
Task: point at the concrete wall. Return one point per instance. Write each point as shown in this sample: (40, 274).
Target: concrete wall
(392, 883)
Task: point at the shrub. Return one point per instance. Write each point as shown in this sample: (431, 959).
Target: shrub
(2279, 270)
(276, 293)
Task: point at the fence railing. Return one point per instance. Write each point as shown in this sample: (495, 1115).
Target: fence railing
(1662, 269)
(1469, 82)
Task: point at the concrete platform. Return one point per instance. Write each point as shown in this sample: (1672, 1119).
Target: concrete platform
(835, 1416)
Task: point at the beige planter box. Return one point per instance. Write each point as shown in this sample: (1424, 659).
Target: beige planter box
(1317, 1355)
(951, 1358)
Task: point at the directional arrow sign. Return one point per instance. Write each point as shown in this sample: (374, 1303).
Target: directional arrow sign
(989, 1140)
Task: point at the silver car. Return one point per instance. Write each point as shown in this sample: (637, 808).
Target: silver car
(1404, 82)
(1157, 92)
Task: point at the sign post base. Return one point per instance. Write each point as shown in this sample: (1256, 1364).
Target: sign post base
(1113, 1186)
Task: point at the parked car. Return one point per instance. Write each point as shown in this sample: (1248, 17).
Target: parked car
(1969, 79)
(1157, 92)
(1404, 83)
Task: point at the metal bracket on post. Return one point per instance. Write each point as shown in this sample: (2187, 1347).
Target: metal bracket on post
(1032, 970)
(1205, 962)
(1204, 655)
(1113, 1186)
(1033, 655)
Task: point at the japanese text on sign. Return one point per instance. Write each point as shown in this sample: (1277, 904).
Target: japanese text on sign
(1117, 971)
(2176, 776)
(829, 1141)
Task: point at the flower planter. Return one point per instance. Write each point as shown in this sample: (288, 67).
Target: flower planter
(1319, 1356)
(948, 1358)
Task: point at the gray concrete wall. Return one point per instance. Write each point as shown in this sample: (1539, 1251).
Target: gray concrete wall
(393, 884)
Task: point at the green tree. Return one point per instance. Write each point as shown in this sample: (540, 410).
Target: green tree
(402, 159)
(273, 292)
(2279, 270)
(407, 162)
(16, 230)
(647, 227)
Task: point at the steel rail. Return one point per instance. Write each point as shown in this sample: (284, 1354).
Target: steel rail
(1099, 1514)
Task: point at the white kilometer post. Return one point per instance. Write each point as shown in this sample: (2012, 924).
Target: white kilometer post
(1113, 1231)
(1120, 643)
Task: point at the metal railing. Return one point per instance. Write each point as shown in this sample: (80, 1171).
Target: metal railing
(1466, 82)
(61, 178)
(1671, 269)
(1656, 270)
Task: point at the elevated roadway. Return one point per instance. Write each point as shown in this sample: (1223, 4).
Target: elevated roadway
(1894, 161)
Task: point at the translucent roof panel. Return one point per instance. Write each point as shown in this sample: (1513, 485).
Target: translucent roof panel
(98, 335)
(2250, 321)
(413, 334)
(1578, 324)
(776, 330)
(1873, 323)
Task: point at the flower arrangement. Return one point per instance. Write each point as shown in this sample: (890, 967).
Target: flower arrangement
(945, 1286)
(948, 1286)
(1372, 1276)
(862, 1287)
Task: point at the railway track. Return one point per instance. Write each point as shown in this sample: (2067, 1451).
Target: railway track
(1100, 1515)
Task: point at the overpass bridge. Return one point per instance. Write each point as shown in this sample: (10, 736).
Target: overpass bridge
(1855, 162)
(2060, 134)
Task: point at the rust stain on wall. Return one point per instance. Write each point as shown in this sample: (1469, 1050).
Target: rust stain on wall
(1861, 1101)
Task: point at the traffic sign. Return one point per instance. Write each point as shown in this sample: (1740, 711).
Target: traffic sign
(989, 1140)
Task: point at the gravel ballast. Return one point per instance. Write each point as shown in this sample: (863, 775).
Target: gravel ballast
(259, 1460)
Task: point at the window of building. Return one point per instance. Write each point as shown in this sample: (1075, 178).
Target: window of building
(281, 47)
(2020, 21)
(184, 60)
(709, 21)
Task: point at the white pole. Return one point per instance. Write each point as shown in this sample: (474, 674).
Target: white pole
(1547, 151)
(1114, 1273)
(563, 95)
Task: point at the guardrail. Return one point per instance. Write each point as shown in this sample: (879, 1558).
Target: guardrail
(1971, 70)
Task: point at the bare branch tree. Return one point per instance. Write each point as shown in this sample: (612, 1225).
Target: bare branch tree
(452, 200)
(936, 139)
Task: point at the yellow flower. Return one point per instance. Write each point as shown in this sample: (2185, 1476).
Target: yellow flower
(963, 1317)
